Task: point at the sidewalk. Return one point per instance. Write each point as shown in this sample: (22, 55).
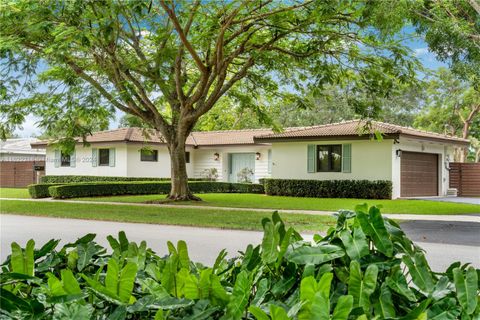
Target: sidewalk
(457, 218)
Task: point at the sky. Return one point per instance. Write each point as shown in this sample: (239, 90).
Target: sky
(417, 45)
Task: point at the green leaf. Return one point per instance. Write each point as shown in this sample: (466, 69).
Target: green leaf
(343, 308)
(258, 313)
(314, 255)
(466, 288)
(240, 296)
(183, 259)
(16, 259)
(360, 286)
(278, 313)
(270, 242)
(72, 311)
(419, 271)
(111, 278)
(320, 309)
(85, 252)
(29, 258)
(120, 313)
(283, 247)
(127, 281)
(373, 225)
(398, 283)
(384, 307)
(356, 246)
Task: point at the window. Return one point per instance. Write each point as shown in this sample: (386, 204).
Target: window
(65, 159)
(329, 158)
(148, 155)
(187, 157)
(103, 157)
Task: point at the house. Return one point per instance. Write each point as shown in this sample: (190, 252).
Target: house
(20, 164)
(417, 162)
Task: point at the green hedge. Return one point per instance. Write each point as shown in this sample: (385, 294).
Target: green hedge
(75, 190)
(75, 179)
(362, 189)
(40, 190)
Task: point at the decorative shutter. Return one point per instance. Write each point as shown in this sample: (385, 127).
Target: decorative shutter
(347, 158)
(230, 169)
(94, 157)
(111, 157)
(73, 159)
(57, 160)
(269, 161)
(311, 163)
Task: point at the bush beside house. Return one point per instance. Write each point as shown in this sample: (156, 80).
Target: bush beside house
(361, 189)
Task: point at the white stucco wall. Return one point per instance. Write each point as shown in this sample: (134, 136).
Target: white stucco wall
(159, 169)
(83, 163)
(203, 159)
(442, 149)
(371, 160)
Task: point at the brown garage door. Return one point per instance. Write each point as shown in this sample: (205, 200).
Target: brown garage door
(419, 174)
(19, 174)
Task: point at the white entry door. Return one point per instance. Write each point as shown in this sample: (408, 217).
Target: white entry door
(239, 162)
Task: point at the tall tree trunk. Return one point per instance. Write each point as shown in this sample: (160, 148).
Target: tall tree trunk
(180, 190)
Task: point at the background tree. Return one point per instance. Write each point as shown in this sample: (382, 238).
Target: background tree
(452, 107)
(169, 62)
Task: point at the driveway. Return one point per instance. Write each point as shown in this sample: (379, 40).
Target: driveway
(204, 244)
(469, 200)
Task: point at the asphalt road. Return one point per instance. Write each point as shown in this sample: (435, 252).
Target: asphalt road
(445, 242)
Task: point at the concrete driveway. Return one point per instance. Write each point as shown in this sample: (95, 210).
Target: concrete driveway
(204, 244)
(469, 200)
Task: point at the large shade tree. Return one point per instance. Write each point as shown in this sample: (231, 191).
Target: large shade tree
(169, 62)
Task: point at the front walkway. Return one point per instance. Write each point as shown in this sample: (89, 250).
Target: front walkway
(461, 218)
(468, 200)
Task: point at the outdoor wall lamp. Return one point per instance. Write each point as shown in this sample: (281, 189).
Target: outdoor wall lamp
(398, 153)
(216, 156)
(257, 155)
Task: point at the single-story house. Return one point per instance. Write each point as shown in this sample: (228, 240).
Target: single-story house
(417, 162)
(20, 164)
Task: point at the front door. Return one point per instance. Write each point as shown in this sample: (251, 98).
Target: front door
(242, 166)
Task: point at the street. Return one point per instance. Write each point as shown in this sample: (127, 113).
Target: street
(444, 242)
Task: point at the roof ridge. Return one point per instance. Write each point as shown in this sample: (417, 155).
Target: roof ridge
(421, 130)
(233, 130)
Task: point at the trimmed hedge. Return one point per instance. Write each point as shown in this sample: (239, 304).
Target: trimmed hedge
(40, 190)
(362, 189)
(75, 179)
(75, 190)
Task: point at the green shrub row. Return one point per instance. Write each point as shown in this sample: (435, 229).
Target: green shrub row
(362, 189)
(75, 190)
(363, 268)
(40, 190)
(74, 179)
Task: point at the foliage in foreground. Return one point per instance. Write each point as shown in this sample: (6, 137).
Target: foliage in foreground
(354, 272)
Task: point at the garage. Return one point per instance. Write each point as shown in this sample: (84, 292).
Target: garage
(419, 174)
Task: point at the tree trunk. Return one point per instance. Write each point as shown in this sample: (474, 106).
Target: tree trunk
(179, 190)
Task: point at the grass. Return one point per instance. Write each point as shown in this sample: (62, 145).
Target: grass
(260, 201)
(14, 193)
(215, 218)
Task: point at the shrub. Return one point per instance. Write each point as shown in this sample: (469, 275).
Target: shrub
(91, 189)
(40, 190)
(364, 268)
(74, 179)
(363, 189)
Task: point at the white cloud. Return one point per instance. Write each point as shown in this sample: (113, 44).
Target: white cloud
(421, 51)
(29, 128)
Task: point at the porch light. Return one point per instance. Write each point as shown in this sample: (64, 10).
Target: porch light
(216, 156)
(398, 153)
(257, 155)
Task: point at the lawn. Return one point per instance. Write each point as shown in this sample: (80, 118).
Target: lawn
(14, 193)
(326, 204)
(215, 218)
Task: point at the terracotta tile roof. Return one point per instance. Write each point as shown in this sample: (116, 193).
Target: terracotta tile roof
(354, 128)
(200, 138)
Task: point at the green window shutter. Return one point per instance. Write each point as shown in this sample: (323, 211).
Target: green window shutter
(269, 161)
(347, 158)
(57, 159)
(230, 170)
(94, 157)
(73, 159)
(111, 157)
(311, 159)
